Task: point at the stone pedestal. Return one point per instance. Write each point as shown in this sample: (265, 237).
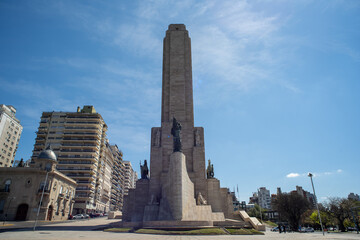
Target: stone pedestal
(180, 194)
(179, 190)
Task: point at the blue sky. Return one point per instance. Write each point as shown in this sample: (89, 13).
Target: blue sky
(276, 83)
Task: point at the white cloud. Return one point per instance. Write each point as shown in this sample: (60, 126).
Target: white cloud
(293, 175)
(328, 173)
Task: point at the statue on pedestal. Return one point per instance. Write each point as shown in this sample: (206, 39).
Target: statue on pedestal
(175, 131)
(210, 170)
(21, 163)
(200, 200)
(144, 170)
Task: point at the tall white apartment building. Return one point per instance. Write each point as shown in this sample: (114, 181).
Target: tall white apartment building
(10, 131)
(264, 198)
(130, 177)
(117, 180)
(79, 141)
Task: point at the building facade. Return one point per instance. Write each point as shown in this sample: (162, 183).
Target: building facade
(309, 196)
(130, 177)
(21, 189)
(264, 198)
(117, 180)
(79, 140)
(10, 132)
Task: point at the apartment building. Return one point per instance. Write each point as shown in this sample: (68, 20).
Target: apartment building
(130, 177)
(103, 193)
(264, 198)
(79, 141)
(117, 180)
(10, 131)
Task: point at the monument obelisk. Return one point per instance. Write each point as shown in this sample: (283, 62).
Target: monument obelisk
(177, 102)
(177, 192)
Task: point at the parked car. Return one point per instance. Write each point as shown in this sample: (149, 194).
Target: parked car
(78, 216)
(275, 229)
(307, 229)
(86, 216)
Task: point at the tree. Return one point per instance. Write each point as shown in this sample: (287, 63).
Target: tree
(340, 209)
(290, 207)
(256, 211)
(325, 219)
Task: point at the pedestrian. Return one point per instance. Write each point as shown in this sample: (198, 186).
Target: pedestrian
(279, 228)
(284, 229)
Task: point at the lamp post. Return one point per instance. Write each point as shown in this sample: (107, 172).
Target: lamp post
(259, 205)
(7, 211)
(42, 196)
(322, 229)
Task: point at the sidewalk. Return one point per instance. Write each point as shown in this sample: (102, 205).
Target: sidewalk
(85, 230)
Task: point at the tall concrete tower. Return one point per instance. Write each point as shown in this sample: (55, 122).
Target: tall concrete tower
(177, 192)
(177, 101)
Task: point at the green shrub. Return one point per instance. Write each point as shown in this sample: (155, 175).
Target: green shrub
(117, 230)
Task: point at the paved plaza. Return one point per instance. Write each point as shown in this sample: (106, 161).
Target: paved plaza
(86, 229)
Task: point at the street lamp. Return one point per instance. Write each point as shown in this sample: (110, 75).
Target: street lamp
(259, 205)
(7, 211)
(42, 196)
(322, 229)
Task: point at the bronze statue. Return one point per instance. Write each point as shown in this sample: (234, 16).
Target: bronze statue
(175, 131)
(210, 170)
(144, 170)
(21, 163)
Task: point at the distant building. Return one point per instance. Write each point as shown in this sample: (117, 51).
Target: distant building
(21, 189)
(254, 199)
(10, 131)
(79, 140)
(354, 196)
(309, 196)
(130, 177)
(264, 198)
(117, 180)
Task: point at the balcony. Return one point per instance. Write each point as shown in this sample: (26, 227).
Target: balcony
(72, 175)
(85, 189)
(77, 156)
(79, 145)
(78, 150)
(91, 170)
(80, 195)
(77, 163)
(84, 122)
(106, 196)
(67, 138)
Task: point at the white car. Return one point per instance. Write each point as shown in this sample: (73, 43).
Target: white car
(78, 216)
(307, 229)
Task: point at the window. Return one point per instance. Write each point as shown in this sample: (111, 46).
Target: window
(7, 185)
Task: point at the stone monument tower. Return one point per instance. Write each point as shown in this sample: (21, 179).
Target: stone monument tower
(177, 102)
(177, 193)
